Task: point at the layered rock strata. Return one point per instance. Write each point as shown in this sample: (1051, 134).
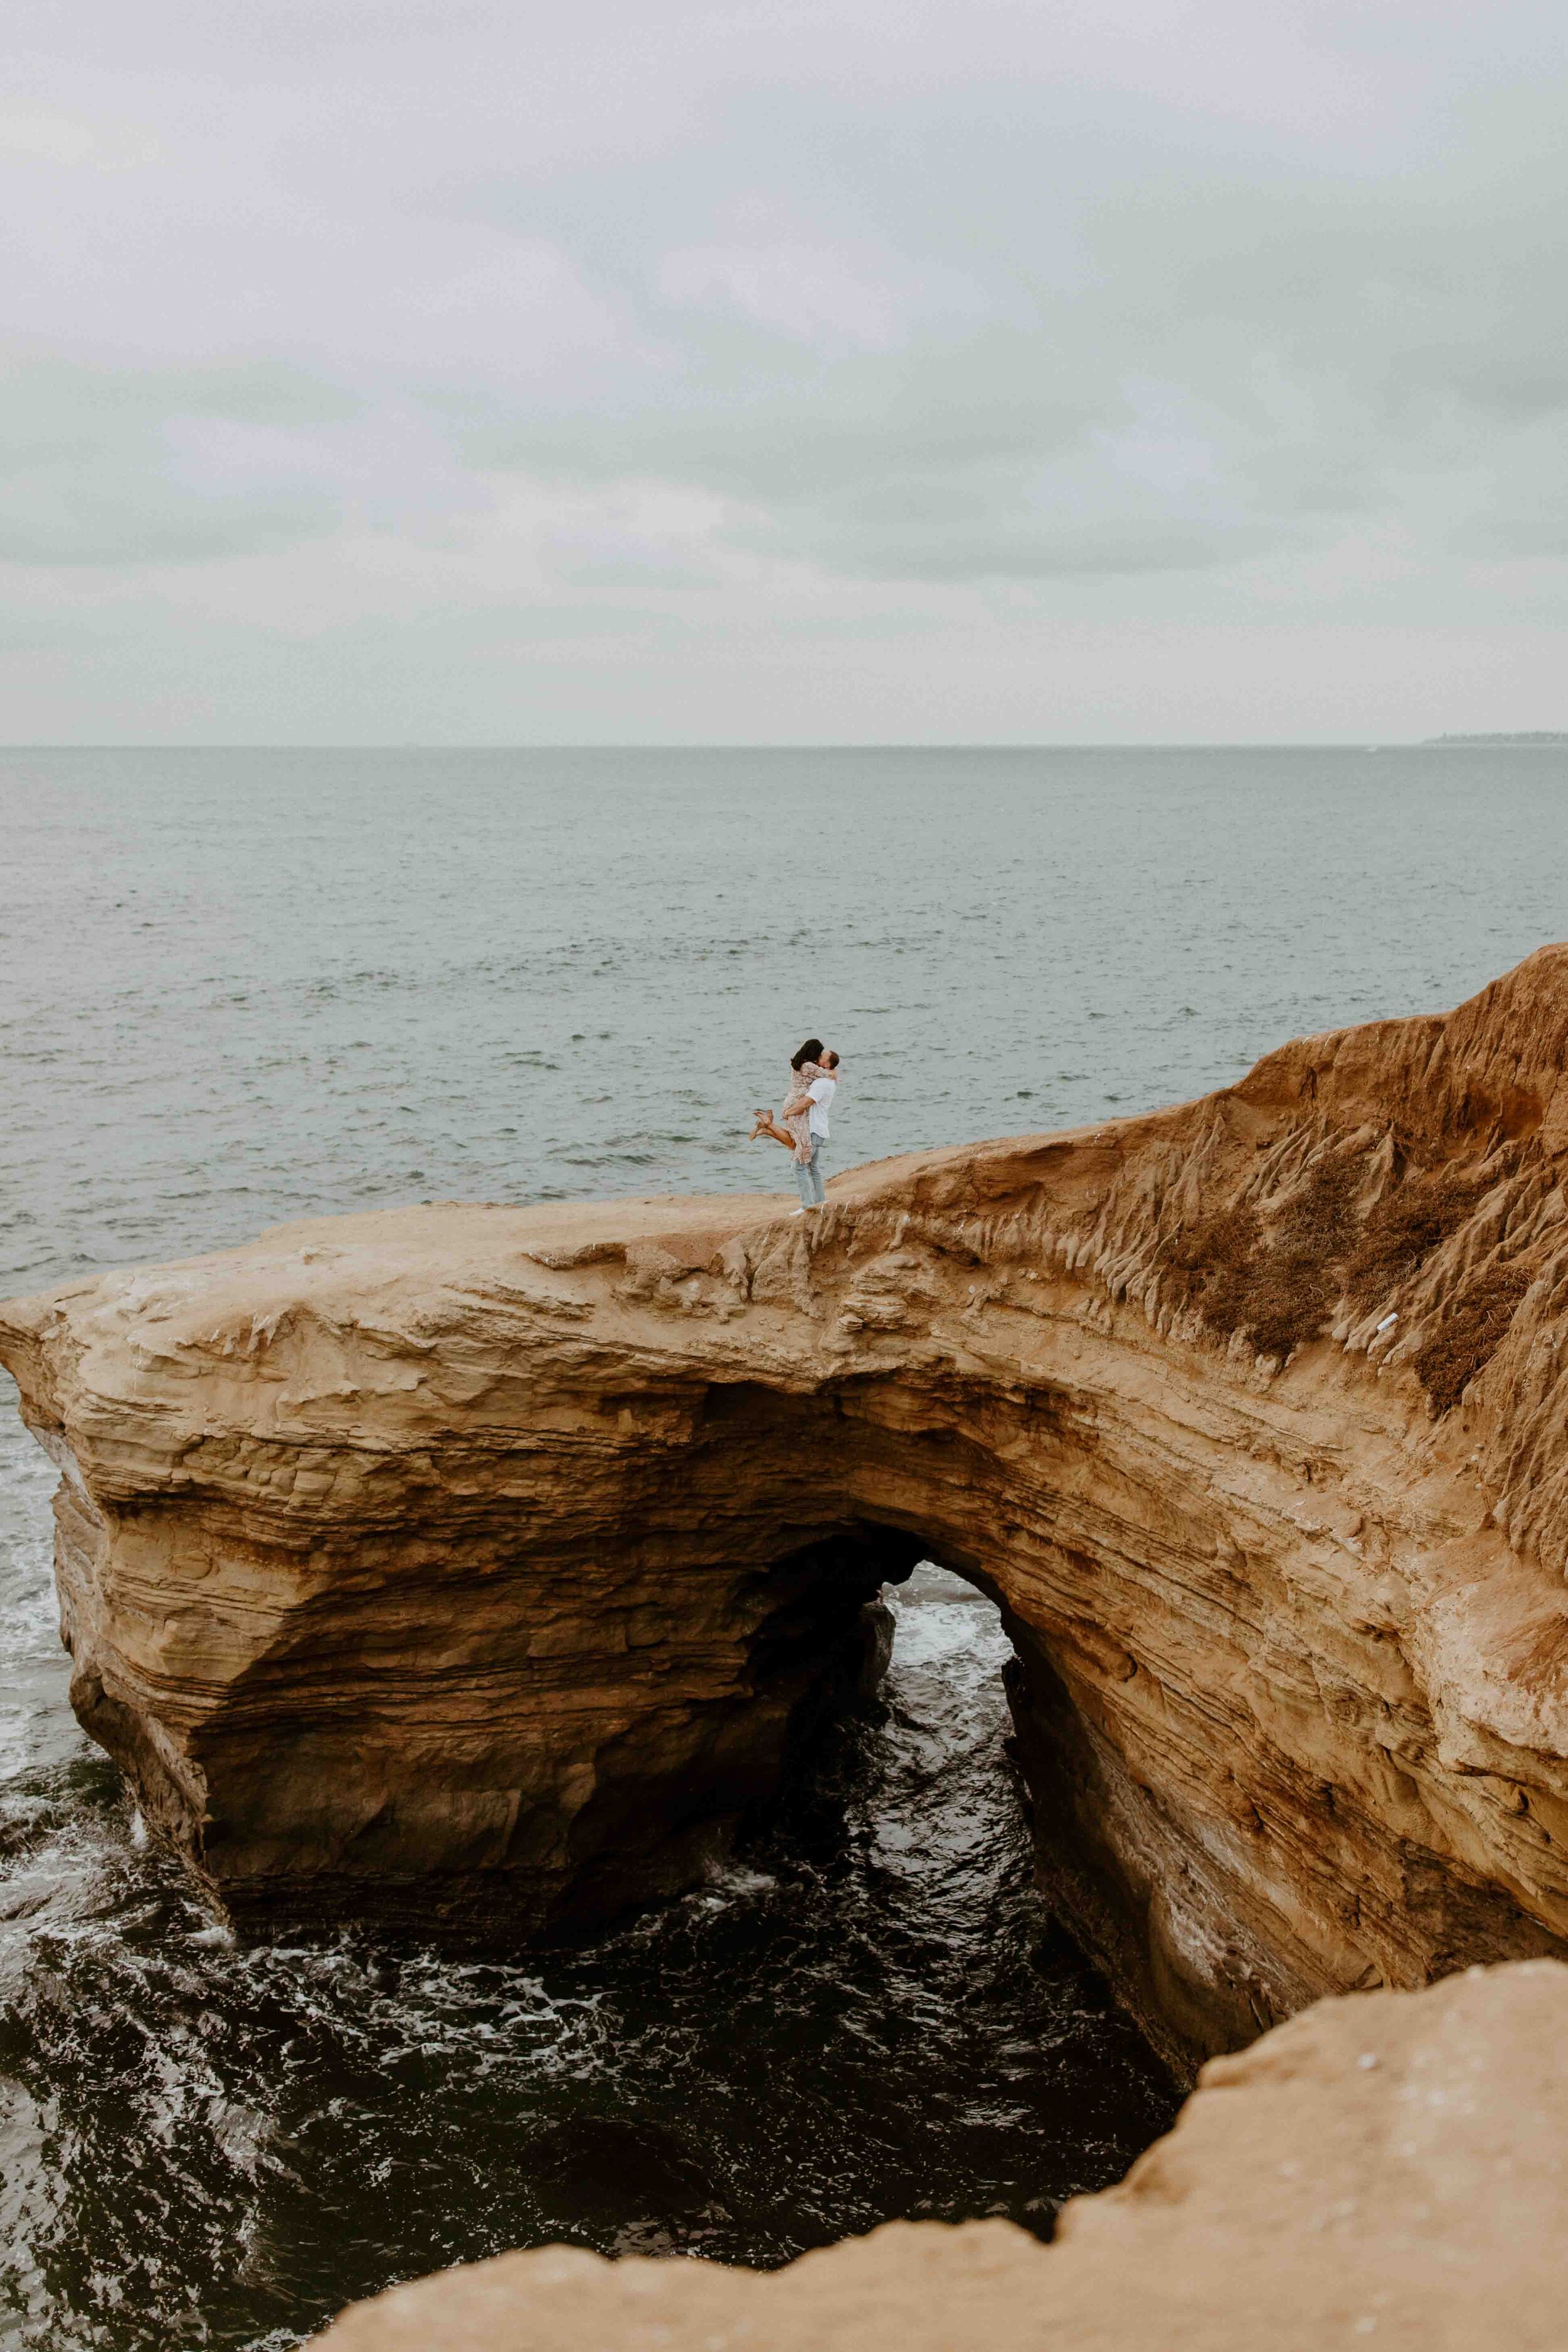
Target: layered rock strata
(1389, 2170)
(475, 1571)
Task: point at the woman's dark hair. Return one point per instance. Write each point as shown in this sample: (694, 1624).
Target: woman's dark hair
(809, 1052)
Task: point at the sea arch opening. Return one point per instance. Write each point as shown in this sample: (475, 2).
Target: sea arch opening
(1111, 1859)
(972, 2038)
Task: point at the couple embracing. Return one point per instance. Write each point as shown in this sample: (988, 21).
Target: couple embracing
(802, 1125)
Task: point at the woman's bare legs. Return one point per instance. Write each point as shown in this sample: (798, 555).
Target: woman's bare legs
(767, 1125)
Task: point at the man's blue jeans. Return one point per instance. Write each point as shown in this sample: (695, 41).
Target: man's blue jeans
(808, 1175)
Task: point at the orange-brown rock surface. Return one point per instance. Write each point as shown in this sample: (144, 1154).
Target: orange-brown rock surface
(1389, 2170)
(474, 1570)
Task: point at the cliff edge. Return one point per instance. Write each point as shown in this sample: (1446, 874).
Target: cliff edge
(477, 1569)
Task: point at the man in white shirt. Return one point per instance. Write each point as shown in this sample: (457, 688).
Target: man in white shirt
(808, 1173)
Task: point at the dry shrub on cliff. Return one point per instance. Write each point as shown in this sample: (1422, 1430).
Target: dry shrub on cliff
(1213, 1260)
(1274, 1282)
(1277, 1279)
(1469, 1335)
(1404, 1230)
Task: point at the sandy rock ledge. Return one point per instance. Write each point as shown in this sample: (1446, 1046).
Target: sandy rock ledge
(1388, 2169)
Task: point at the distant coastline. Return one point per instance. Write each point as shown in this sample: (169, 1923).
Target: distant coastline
(1527, 742)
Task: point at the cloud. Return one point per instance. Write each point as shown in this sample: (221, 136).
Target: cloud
(100, 466)
(903, 316)
(65, 140)
(1206, 366)
(804, 291)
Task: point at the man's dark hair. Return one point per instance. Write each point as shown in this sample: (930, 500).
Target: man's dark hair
(829, 1059)
(809, 1052)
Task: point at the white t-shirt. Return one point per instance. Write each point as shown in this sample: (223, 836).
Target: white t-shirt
(821, 1091)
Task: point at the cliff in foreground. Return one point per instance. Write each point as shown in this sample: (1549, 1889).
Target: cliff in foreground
(1391, 2169)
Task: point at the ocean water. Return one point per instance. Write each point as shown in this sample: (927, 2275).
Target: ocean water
(241, 987)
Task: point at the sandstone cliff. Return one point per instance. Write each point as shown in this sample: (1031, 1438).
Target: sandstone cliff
(474, 1570)
(1391, 2169)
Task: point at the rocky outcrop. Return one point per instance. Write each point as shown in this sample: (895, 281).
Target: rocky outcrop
(475, 1569)
(1391, 2168)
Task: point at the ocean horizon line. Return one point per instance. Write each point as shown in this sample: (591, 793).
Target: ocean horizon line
(1543, 741)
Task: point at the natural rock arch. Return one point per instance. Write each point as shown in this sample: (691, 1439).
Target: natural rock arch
(473, 1568)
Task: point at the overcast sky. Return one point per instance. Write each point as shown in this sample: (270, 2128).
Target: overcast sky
(809, 370)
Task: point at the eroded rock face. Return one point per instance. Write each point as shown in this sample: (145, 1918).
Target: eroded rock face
(473, 1569)
(1390, 2168)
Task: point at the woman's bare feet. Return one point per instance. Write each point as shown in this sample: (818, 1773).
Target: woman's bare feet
(765, 1125)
